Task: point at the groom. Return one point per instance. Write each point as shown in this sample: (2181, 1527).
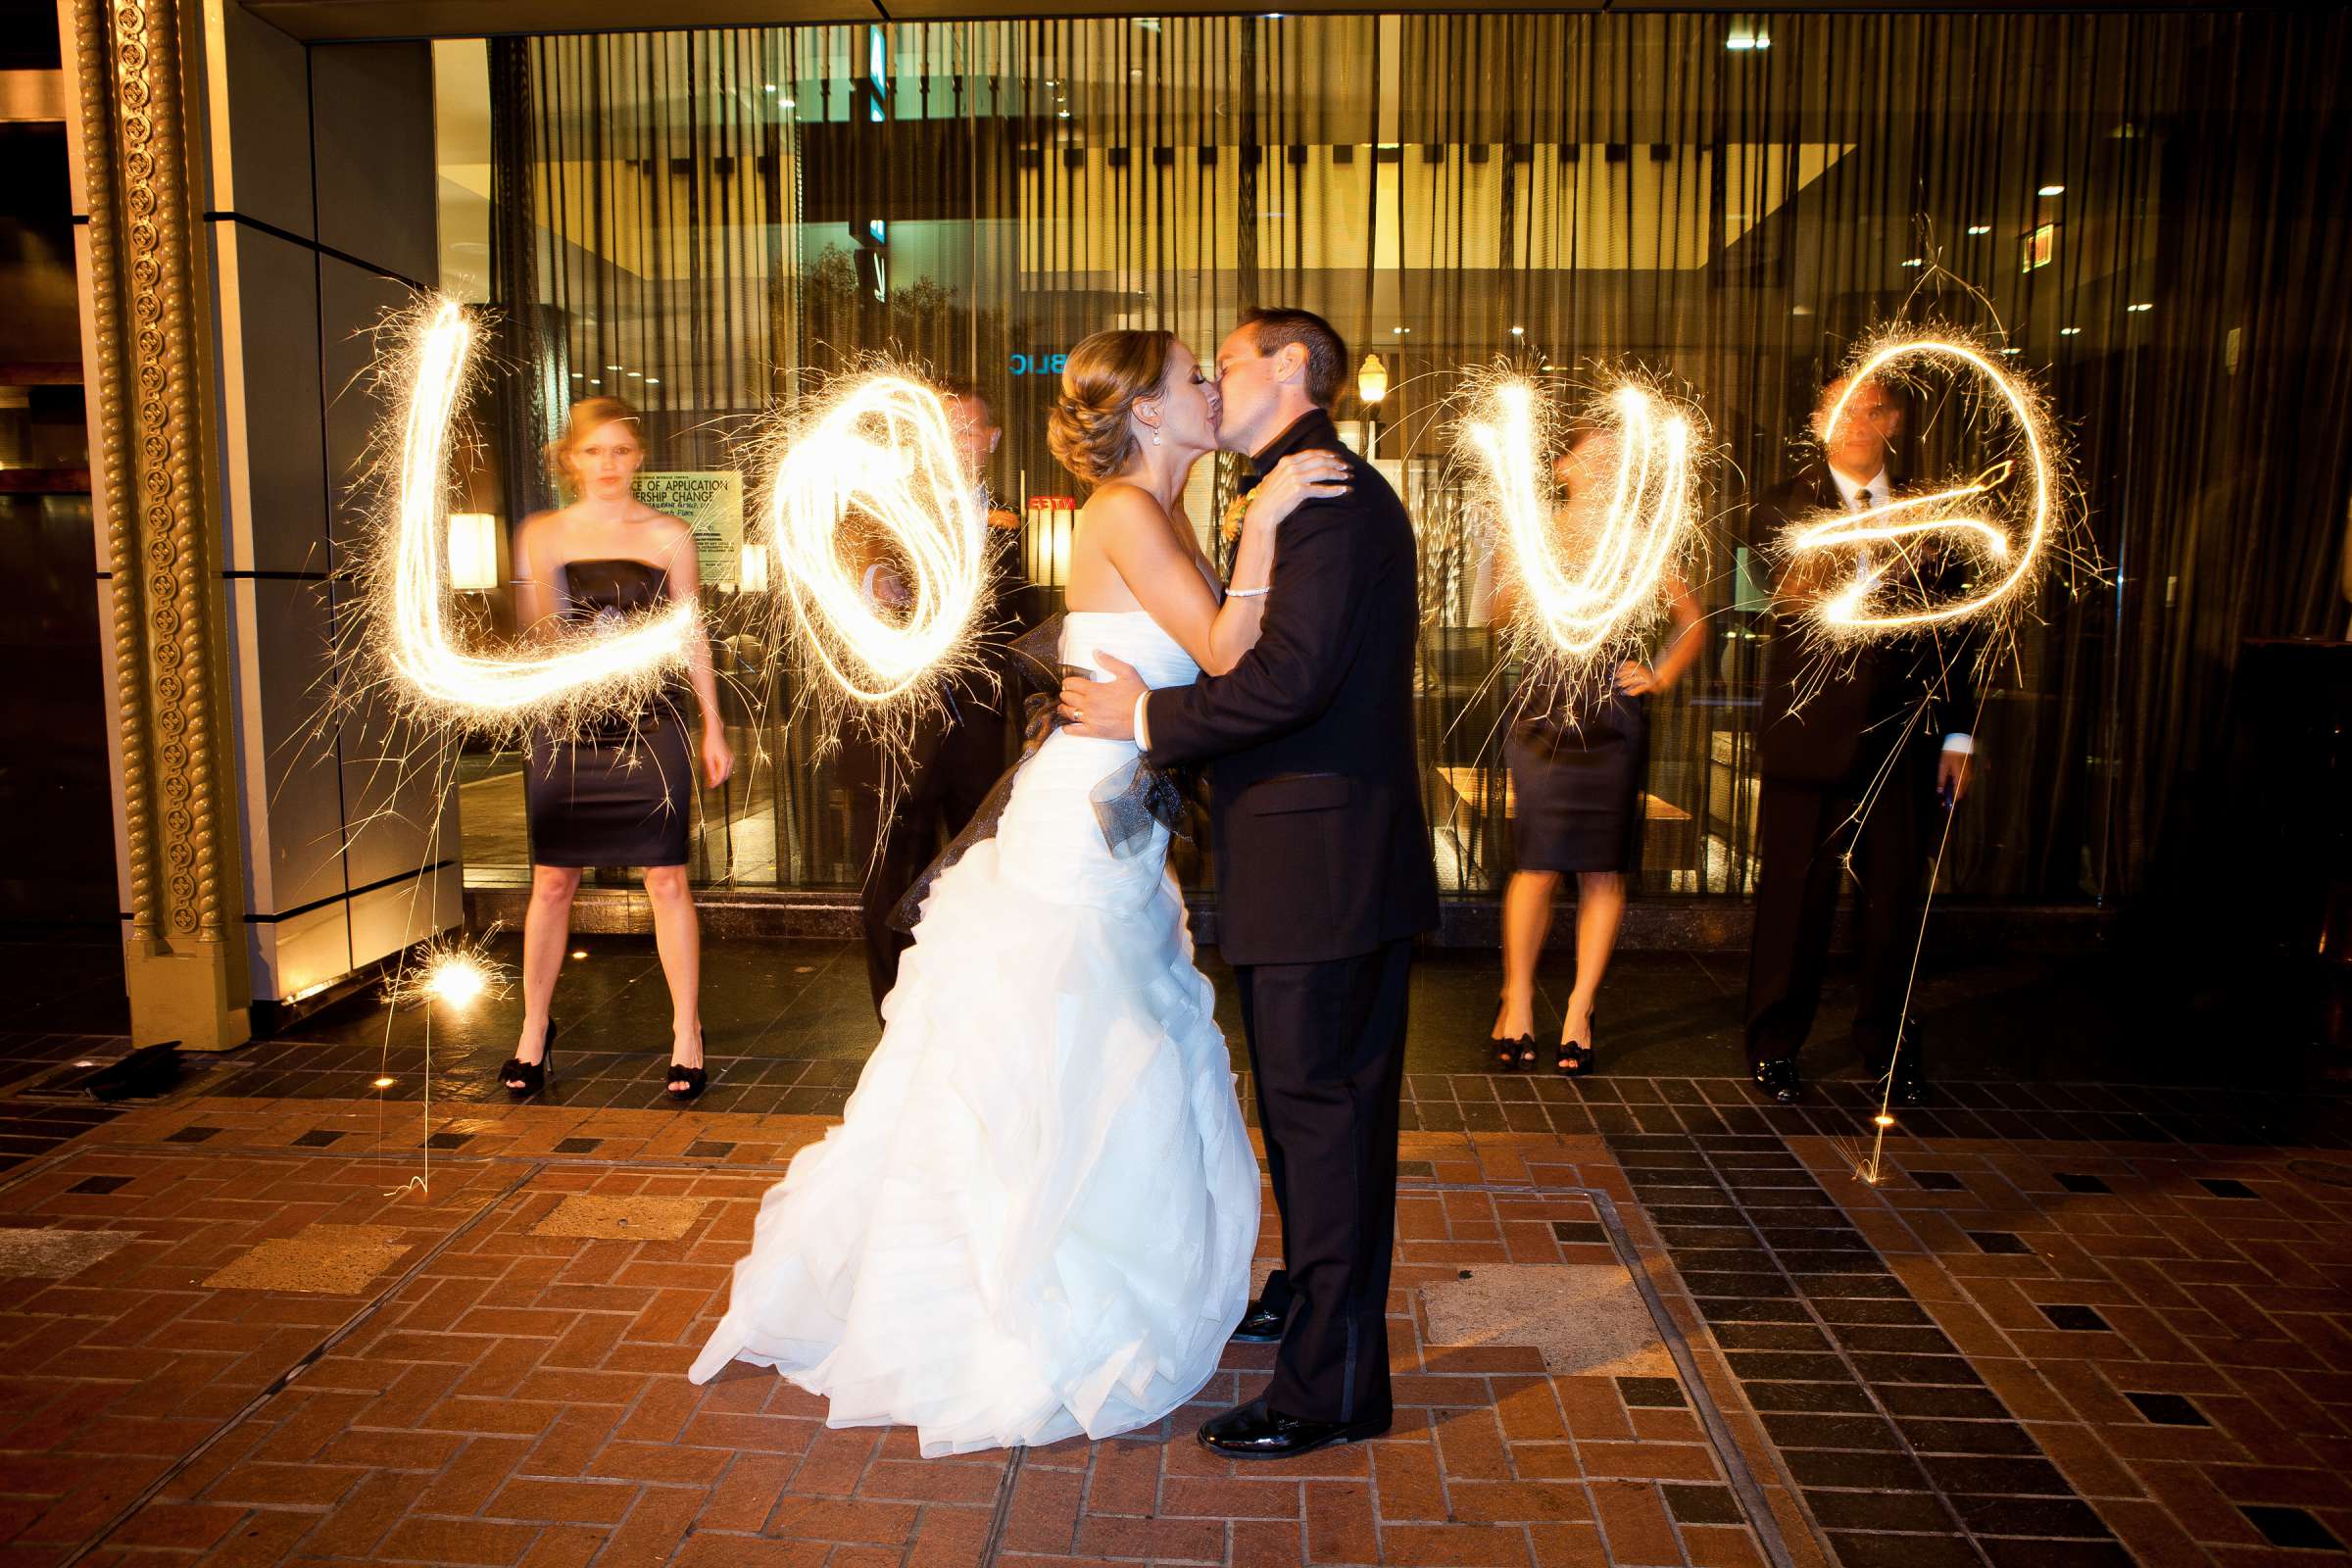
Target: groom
(1323, 877)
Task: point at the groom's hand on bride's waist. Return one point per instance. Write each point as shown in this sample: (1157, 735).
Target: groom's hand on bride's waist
(1103, 709)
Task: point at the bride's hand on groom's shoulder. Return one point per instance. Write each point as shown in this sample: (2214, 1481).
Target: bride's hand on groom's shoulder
(1104, 710)
(1300, 477)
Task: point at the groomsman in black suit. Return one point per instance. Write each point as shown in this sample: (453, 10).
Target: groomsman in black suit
(956, 754)
(1860, 759)
(1324, 879)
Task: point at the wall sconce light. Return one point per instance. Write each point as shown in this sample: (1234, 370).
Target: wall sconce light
(472, 551)
(1372, 379)
(751, 575)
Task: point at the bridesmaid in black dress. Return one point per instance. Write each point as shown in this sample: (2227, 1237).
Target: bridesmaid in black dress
(624, 795)
(1577, 761)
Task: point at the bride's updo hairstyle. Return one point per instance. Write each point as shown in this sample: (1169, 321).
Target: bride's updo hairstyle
(1091, 430)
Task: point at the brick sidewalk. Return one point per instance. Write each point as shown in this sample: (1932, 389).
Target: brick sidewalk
(2053, 1352)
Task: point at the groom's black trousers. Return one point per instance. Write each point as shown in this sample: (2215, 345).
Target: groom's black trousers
(1327, 1105)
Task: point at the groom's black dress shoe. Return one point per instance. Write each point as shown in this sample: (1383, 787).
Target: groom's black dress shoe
(1779, 1079)
(1260, 1325)
(1254, 1431)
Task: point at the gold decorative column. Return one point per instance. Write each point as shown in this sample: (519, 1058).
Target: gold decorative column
(185, 952)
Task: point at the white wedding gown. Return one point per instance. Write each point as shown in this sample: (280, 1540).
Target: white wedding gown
(1037, 1216)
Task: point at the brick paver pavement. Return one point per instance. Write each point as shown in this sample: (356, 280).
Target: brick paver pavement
(2011, 1351)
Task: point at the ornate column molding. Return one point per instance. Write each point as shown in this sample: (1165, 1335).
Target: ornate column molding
(168, 665)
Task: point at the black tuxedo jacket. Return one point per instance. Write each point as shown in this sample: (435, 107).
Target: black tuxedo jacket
(1873, 691)
(1320, 845)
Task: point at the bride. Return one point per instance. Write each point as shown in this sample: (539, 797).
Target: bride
(1037, 1216)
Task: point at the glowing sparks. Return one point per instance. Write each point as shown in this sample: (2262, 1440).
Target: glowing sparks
(1589, 594)
(2004, 521)
(406, 606)
(458, 980)
(872, 477)
(452, 970)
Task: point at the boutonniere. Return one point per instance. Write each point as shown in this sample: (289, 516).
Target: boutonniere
(1236, 509)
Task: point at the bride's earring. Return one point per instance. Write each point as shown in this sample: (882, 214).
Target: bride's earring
(1156, 438)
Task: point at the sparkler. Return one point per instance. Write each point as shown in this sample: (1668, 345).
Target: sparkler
(453, 970)
(874, 461)
(1589, 606)
(405, 631)
(2006, 517)
(879, 447)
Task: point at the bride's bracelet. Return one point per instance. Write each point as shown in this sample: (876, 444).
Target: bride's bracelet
(1249, 593)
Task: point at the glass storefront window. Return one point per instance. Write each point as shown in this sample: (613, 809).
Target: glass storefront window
(701, 221)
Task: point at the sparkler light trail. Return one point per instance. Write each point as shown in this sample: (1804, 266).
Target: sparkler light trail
(1608, 586)
(871, 474)
(2006, 518)
(406, 639)
(403, 643)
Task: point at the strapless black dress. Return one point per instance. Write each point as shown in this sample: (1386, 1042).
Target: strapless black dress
(622, 794)
(1577, 767)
